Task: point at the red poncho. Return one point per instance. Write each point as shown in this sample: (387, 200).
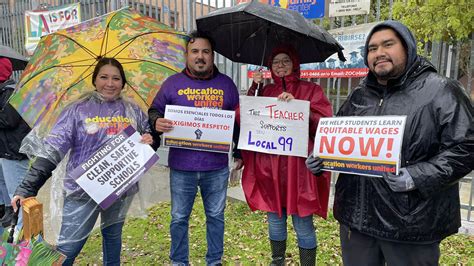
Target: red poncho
(273, 182)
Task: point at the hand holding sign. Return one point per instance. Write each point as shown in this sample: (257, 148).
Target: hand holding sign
(314, 164)
(147, 139)
(115, 167)
(285, 96)
(367, 145)
(400, 183)
(163, 125)
(197, 128)
(272, 126)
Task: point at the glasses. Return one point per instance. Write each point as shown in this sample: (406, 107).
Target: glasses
(285, 62)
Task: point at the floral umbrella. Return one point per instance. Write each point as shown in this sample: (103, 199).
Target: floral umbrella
(61, 68)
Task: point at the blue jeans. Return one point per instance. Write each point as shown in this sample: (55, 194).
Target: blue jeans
(304, 228)
(184, 186)
(79, 217)
(11, 175)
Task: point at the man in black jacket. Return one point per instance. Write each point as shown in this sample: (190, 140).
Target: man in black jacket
(13, 129)
(401, 219)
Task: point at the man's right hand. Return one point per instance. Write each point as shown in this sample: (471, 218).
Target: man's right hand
(314, 164)
(163, 125)
(14, 200)
(402, 182)
(257, 76)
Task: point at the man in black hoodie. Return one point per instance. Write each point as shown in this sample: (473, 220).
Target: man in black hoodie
(401, 219)
(13, 129)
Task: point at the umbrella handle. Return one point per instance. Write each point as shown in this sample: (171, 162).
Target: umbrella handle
(260, 84)
(14, 222)
(265, 43)
(263, 57)
(258, 88)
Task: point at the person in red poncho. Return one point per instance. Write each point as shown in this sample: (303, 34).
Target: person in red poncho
(282, 185)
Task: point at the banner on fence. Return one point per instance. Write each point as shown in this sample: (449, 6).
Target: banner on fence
(115, 167)
(310, 9)
(348, 8)
(202, 129)
(353, 40)
(271, 126)
(42, 22)
(368, 145)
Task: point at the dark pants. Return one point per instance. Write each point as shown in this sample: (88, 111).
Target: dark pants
(362, 249)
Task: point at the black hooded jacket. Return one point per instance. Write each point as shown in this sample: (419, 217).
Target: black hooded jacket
(437, 151)
(12, 127)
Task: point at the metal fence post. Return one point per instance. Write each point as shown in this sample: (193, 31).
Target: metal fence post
(435, 54)
(471, 67)
(190, 12)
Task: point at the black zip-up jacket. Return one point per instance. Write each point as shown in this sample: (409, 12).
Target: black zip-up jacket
(437, 150)
(12, 127)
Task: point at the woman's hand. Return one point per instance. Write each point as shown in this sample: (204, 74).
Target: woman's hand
(14, 200)
(314, 164)
(238, 164)
(286, 96)
(147, 139)
(163, 125)
(257, 76)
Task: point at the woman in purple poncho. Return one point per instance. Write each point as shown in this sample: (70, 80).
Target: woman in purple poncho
(81, 129)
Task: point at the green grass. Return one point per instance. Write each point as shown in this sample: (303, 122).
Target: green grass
(147, 241)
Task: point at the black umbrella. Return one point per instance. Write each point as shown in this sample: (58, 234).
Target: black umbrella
(247, 33)
(19, 62)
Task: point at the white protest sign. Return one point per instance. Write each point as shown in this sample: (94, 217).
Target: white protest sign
(115, 167)
(199, 128)
(368, 145)
(348, 8)
(271, 126)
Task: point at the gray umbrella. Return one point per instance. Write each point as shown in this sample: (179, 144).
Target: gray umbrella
(248, 32)
(19, 62)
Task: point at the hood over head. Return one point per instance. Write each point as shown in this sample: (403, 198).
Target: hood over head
(6, 69)
(406, 36)
(291, 52)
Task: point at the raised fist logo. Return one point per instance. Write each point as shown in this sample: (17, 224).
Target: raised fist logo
(198, 133)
